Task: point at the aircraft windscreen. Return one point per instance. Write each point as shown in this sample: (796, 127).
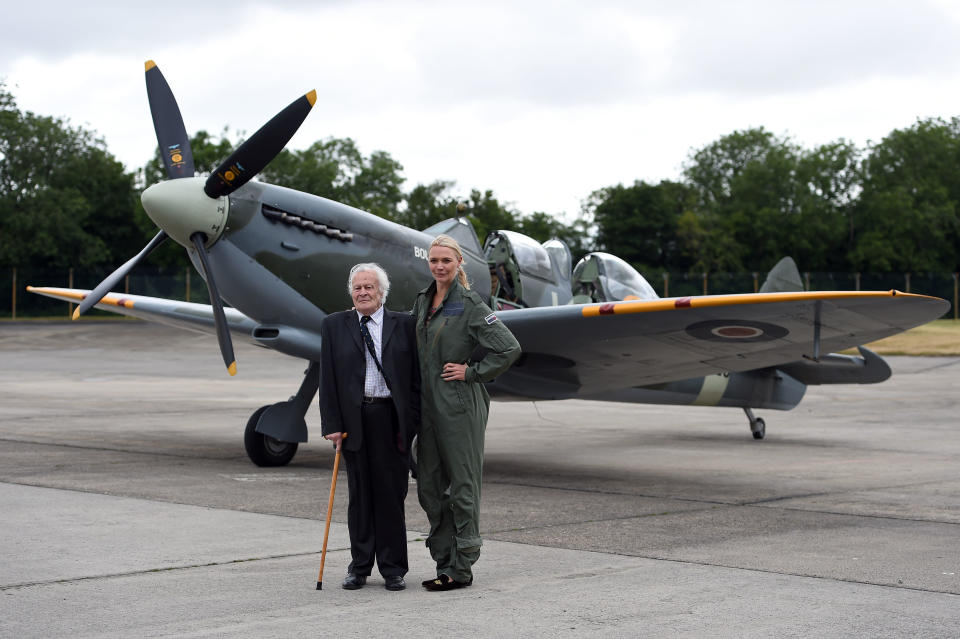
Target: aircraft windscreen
(621, 281)
(459, 229)
(531, 257)
(560, 253)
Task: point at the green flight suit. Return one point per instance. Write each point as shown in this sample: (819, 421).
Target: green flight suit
(454, 418)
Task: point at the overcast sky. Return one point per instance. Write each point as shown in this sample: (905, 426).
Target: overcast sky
(542, 102)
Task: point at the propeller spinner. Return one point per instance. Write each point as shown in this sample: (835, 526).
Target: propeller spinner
(193, 211)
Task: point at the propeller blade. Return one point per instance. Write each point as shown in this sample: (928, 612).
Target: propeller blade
(223, 332)
(171, 134)
(114, 278)
(257, 152)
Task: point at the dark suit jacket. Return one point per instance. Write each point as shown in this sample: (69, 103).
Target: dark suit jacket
(342, 368)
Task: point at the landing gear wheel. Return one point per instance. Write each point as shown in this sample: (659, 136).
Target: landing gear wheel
(758, 428)
(264, 450)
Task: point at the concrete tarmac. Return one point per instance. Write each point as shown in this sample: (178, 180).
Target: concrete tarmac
(130, 508)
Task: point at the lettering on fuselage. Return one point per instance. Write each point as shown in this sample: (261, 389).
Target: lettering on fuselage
(420, 252)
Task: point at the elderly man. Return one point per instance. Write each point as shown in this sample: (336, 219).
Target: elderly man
(370, 392)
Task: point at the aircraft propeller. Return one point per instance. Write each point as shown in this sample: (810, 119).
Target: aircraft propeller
(220, 320)
(168, 123)
(177, 210)
(259, 149)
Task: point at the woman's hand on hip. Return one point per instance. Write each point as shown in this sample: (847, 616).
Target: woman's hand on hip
(454, 372)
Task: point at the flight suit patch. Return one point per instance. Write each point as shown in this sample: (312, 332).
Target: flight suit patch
(453, 308)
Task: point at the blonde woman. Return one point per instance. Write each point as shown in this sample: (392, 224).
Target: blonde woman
(452, 321)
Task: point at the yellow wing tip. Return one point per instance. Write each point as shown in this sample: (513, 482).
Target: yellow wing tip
(232, 369)
(312, 97)
(76, 313)
(149, 64)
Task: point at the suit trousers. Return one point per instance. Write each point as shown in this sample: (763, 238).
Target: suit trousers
(377, 480)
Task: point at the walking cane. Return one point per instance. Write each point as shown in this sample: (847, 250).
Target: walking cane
(326, 532)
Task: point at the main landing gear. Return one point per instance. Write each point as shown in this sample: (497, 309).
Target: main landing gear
(757, 426)
(274, 432)
(264, 450)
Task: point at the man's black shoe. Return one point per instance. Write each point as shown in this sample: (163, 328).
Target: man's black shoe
(354, 582)
(394, 583)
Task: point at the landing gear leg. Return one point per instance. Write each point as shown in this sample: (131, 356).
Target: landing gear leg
(757, 426)
(274, 432)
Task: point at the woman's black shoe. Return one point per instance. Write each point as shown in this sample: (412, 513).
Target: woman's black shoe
(445, 582)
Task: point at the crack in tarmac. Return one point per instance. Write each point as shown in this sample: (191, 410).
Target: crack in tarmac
(147, 571)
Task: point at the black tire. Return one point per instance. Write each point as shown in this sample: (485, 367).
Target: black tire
(759, 429)
(263, 450)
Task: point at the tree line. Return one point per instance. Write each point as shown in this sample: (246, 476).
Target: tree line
(752, 197)
(742, 202)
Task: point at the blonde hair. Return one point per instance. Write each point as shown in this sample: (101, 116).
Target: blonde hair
(448, 242)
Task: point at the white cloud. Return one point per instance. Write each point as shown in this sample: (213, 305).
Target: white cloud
(541, 102)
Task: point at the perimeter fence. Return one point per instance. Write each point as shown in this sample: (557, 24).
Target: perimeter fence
(186, 284)
(17, 303)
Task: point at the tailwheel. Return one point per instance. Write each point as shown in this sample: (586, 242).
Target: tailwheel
(264, 450)
(758, 427)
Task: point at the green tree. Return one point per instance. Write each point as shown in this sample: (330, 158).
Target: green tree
(727, 203)
(326, 168)
(335, 169)
(829, 182)
(638, 223)
(541, 226)
(748, 191)
(428, 204)
(64, 200)
(487, 214)
(705, 243)
(714, 169)
(907, 212)
(580, 235)
(377, 187)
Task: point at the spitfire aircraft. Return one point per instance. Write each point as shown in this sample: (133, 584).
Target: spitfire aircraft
(597, 331)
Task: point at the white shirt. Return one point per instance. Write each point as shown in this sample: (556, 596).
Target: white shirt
(373, 384)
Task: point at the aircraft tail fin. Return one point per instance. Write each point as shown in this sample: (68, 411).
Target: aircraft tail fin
(784, 277)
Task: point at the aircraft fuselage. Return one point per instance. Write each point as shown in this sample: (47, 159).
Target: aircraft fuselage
(310, 243)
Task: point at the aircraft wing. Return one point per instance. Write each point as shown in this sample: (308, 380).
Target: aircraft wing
(601, 347)
(290, 340)
(188, 315)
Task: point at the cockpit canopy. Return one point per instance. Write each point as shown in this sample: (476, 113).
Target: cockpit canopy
(531, 257)
(561, 256)
(602, 277)
(524, 272)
